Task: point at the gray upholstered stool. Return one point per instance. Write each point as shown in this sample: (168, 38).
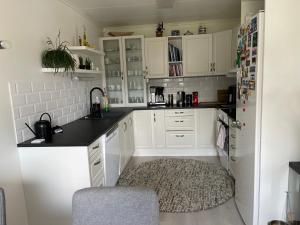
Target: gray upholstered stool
(2, 207)
(115, 206)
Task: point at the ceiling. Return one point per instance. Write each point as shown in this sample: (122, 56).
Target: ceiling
(134, 12)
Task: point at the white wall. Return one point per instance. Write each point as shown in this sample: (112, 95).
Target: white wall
(26, 24)
(249, 8)
(149, 29)
(280, 114)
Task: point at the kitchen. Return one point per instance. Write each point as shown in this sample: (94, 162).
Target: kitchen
(143, 63)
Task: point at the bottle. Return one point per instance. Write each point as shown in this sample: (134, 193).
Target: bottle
(80, 41)
(84, 37)
(105, 103)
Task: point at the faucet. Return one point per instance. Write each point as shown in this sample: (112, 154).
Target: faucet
(95, 109)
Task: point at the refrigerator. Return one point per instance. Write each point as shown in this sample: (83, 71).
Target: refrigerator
(248, 117)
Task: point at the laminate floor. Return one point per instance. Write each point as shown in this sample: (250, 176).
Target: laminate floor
(225, 214)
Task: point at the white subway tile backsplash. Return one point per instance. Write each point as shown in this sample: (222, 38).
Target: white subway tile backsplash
(18, 100)
(45, 96)
(65, 100)
(61, 102)
(51, 105)
(40, 107)
(55, 95)
(32, 98)
(23, 87)
(38, 86)
(49, 86)
(59, 85)
(26, 110)
(16, 113)
(20, 123)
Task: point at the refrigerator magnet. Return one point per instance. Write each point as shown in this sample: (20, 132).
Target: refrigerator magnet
(252, 76)
(248, 62)
(254, 52)
(249, 40)
(255, 38)
(252, 85)
(252, 69)
(253, 60)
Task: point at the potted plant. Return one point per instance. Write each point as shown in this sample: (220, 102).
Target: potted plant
(160, 29)
(58, 56)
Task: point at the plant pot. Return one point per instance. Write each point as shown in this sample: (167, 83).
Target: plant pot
(159, 33)
(82, 67)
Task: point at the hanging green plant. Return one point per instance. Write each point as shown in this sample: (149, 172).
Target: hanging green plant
(58, 56)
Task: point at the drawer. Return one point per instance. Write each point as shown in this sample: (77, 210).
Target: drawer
(94, 147)
(180, 123)
(180, 140)
(180, 112)
(96, 168)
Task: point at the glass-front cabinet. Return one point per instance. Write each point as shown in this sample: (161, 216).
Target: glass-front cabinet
(124, 70)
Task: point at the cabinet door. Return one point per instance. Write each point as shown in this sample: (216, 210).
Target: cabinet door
(159, 133)
(197, 54)
(156, 56)
(222, 52)
(134, 64)
(206, 123)
(123, 144)
(114, 72)
(142, 129)
(130, 135)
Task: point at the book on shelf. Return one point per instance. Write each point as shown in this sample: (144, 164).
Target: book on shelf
(174, 53)
(175, 70)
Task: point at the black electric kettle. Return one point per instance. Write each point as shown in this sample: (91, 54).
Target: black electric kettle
(43, 128)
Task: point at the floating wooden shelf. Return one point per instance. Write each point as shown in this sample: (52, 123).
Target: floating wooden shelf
(77, 71)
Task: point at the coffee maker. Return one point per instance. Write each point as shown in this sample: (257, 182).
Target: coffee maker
(157, 95)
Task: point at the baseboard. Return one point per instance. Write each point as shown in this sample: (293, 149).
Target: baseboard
(176, 152)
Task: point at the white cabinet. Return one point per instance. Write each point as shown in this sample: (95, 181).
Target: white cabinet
(51, 175)
(197, 54)
(206, 131)
(142, 121)
(158, 128)
(156, 57)
(126, 141)
(222, 51)
(125, 70)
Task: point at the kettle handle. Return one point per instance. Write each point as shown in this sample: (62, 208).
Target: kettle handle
(45, 114)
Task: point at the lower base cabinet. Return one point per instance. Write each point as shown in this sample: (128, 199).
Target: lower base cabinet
(175, 129)
(51, 175)
(126, 141)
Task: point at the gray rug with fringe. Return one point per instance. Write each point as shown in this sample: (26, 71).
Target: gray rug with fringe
(182, 185)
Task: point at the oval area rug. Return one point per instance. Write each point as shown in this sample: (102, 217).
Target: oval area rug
(182, 185)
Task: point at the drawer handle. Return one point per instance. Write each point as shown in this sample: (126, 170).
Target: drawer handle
(178, 121)
(233, 158)
(179, 135)
(179, 112)
(95, 147)
(97, 163)
(232, 146)
(233, 136)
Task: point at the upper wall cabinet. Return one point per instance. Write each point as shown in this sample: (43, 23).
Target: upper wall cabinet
(197, 54)
(125, 70)
(156, 50)
(222, 52)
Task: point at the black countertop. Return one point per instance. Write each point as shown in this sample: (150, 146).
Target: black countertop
(83, 132)
(295, 166)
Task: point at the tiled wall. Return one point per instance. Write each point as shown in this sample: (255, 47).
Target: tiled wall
(63, 98)
(206, 86)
